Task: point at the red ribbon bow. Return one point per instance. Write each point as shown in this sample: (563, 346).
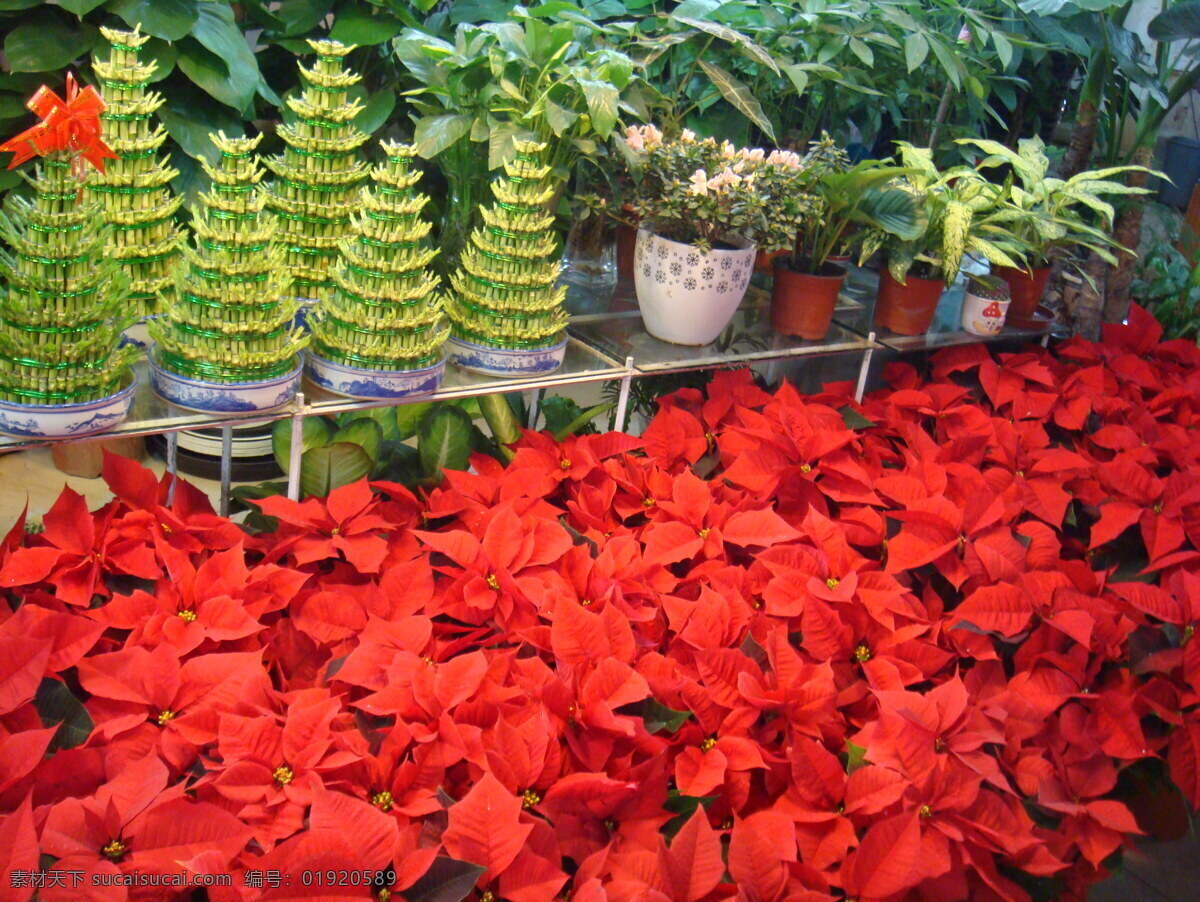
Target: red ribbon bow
(72, 125)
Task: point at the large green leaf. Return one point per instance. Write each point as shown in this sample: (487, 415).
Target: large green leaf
(56, 705)
(47, 40)
(209, 73)
(375, 112)
(601, 97)
(434, 134)
(447, 880)
(79, 7)
(217, 33)
(1179, 23)
(739, 96)
(332, 466)
(896, 212)
(365, 433)
(300, 16)
(444, 440)
(167, 19)
(916, 49)
(733, 36)
(315, 432)
(356, 25)
(191, 117)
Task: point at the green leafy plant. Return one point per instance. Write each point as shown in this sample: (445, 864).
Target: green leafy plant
(1053, 212)
(860, 197)
(1168, 285)
(505, 292)
(230, 318)
(64, 307)
(704, 193)
(963, 213)
(134, 189)
(318, 176)
(384, 312)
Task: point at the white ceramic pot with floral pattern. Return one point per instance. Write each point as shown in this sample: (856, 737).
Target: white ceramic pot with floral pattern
(686, 296)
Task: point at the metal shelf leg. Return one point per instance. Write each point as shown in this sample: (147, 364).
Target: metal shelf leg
(226, 467)
(863, 370)
(172, 465)
(296, 449)
(623, 397)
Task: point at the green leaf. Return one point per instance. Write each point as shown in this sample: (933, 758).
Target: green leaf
(376, 111)
(190, 118)
(1004, 49)
(601, 97)
(447, 880)
(444, 440)
(951, 64)
(853, 419)
(799, 77)
(384, 416)
(314, 433)
(300, 16)
(170, 20)
(856, 757)
(434, 134)
(752, 50)
(56, 705)
(47, 40)
(356, 25)
(218, 33)
(559, 118)
(18, 5)
(577, 425)
(208, 72)
(863, 51)
(332, 466)
(164, 55)
(658, 718)
(739, 96)
(1179, 23)
(79, 7)
(408, 418)
(365, 433)
(916, 49)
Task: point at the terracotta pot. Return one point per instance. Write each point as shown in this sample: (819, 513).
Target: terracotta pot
(907, 309)
(626, 242)
(86, 458)
(764, 261)
(801, 303)
(1027, 291)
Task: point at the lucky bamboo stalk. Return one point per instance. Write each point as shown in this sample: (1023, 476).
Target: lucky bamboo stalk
(384, 312)
(505, 292)
(231, 316)
(134, 189)
(65, 306)
(317, 177)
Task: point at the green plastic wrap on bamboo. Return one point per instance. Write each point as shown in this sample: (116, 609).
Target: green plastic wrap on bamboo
(231, 313)
(318, 176)
(134, 189)
(505, 290)
(64, 304)
(384, 312)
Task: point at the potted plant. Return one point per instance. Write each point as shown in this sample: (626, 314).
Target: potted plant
(1054, 214)
(228, 341)
(985, 304)
(134, 190)
(63, 369)
(318, 175)
(962, 213)
(506, 306)
(808, 280)
(380, 333)
(703, 206)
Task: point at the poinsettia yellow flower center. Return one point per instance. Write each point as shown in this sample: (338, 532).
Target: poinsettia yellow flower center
(530, 798)
(832, 583)
(1189, 631)
(939, 745)
(165, 716)
(187, 615)
(925, 811)
(114, 850)
(382, 800)
(703, 533)
(565, 463)
(805, 468)
(707, 744)
(587, 603)
(283, 775)
(862, 654)
(493, 581)
(647, 502)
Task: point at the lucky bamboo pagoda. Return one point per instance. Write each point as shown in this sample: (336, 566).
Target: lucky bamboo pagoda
(64, 306)
(231, 315)
(505, 290)
(384, 312)
(134, 189)
(317, 177)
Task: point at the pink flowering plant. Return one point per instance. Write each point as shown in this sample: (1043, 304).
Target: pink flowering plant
(706, 193)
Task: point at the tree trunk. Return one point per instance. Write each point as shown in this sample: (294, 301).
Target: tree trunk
(1127, 231)
(1091, 298)
(1087, 116)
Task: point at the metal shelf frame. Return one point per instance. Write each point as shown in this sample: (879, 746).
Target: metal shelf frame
(610, 345)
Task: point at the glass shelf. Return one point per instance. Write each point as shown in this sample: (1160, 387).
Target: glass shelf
(152, 415)
(617, 332)
(933, 340)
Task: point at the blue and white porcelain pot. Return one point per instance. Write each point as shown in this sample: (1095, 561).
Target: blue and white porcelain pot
(505, 363)
(223, 397)
(67, 420)
(372, 384)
